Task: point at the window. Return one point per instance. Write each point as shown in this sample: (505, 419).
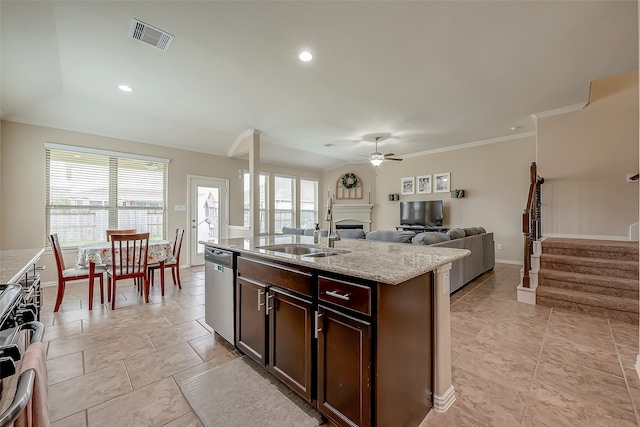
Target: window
(284, 203)
(308, 203)
(89, 191)
(264, 204)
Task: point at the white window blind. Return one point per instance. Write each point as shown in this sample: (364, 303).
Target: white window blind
(308, 203)
(264, 202)
(89, 192)
(284, 201)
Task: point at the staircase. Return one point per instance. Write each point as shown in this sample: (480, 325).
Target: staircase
(595, 277)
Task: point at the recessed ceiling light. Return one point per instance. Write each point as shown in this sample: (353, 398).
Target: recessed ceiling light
(125, 88)
(515, 127)
(328, 144)
(305, 56)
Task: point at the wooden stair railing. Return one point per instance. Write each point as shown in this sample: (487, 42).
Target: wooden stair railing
(531, 218)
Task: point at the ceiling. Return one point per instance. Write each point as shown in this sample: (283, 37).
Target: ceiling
(432, 74)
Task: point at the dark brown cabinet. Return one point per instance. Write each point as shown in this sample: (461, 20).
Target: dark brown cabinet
(360, 351)
(273, 321)
(344, 368)
(290, 346)
(250, 319)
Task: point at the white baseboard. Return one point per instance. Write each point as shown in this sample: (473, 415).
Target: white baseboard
(443, 403)
(638, 365)
(588, 236)
(526, 295)
(508, 261)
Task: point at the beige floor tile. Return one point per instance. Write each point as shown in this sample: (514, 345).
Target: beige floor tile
(583, 383)
(211, 346)
(83, 341)
(583, 355)
(76, 394)
(532, 422)
(64, 368)
(78, 419)
(184, 315)
(62, 330)
(182, 376)
(152, 367)
(455, 416)
(114, 352)
(553, 407)
(492, 402)
(189, 420)
(182, 332)
(154, 405)
(596, 338)
(625, 333)
(498, 364)
(520, 338)
(469, 322)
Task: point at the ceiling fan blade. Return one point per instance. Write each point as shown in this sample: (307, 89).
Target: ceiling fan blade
(392, 158)
(389, 155)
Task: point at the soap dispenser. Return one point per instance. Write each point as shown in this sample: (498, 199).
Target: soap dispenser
(316, 234)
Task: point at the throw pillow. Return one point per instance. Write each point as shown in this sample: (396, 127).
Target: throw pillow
(456, 233)
(429, 238)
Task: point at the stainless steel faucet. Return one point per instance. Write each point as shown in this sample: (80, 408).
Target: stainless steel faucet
(333, 237)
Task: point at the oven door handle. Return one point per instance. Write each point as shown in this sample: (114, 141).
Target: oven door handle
(24, 389)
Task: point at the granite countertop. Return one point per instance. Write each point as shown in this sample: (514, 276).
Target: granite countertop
(390, 263)
(14, 263)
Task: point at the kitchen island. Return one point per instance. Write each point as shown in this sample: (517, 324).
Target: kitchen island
(360, 330)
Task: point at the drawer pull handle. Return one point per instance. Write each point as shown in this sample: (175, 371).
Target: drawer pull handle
(337, 295)
(260, 303)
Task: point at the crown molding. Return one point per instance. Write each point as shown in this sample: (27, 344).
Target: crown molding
(558, 111)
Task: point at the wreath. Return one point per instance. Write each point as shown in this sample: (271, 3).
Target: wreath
(349, 180)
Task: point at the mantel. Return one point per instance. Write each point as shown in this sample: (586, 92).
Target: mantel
(353, 214)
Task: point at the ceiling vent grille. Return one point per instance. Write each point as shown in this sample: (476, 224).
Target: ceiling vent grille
(149, 34)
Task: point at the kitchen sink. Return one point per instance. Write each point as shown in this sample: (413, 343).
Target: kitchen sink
(302, 250)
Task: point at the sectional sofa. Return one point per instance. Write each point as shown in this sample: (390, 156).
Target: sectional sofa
(475, 239)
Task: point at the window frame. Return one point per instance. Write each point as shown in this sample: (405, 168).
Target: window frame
(119, 169)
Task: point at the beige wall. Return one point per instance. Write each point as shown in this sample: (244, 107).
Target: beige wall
(494, 177)
(22, 182)
(584, 157)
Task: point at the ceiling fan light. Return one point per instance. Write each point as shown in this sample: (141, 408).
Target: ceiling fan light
(376, 159)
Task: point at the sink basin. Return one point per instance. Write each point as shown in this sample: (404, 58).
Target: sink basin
(303, 250)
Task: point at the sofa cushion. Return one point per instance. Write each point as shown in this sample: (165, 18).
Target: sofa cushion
(471, 231)
(481, 230)
(309, 232)
(351, 233)
(456, 233)
(289, 230)
(402, 236)
(429, 238)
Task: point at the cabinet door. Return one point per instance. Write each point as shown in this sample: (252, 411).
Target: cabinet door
(250, 319)
(344, 368)
(290, 329)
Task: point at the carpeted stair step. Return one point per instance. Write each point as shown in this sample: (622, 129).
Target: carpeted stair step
(604, 285)
(587, 248)
(610, 307)
(595, 266)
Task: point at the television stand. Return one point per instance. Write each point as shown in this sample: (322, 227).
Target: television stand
(421, 228)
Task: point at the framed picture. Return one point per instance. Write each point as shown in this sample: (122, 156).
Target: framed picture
(441, 182)
(423, 186)
(407, 185)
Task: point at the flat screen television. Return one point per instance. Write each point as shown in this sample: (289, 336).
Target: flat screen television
(427, 213)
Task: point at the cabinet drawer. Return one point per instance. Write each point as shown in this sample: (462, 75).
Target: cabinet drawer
(345, 294)
(277, 275)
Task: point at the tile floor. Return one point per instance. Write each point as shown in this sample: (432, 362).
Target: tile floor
(513, 364)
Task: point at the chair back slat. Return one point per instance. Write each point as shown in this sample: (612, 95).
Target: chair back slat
(114, 231)
(177, 245)
(129, 254)
(57, 251)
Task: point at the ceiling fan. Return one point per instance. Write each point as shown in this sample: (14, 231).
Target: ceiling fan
(376, 158)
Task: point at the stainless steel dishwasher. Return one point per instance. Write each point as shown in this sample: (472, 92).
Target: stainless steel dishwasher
(219, 278)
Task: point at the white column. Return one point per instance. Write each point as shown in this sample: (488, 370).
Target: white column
(443, 392)
(254, 171)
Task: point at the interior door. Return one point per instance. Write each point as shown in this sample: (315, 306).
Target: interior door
(208, 213)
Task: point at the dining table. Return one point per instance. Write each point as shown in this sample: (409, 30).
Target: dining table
(159, 251)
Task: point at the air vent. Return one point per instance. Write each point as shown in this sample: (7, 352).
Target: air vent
(150, 35)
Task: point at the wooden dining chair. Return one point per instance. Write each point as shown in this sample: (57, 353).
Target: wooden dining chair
(70, 274)
(128, 261)
(174, 264)
(125, 231)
